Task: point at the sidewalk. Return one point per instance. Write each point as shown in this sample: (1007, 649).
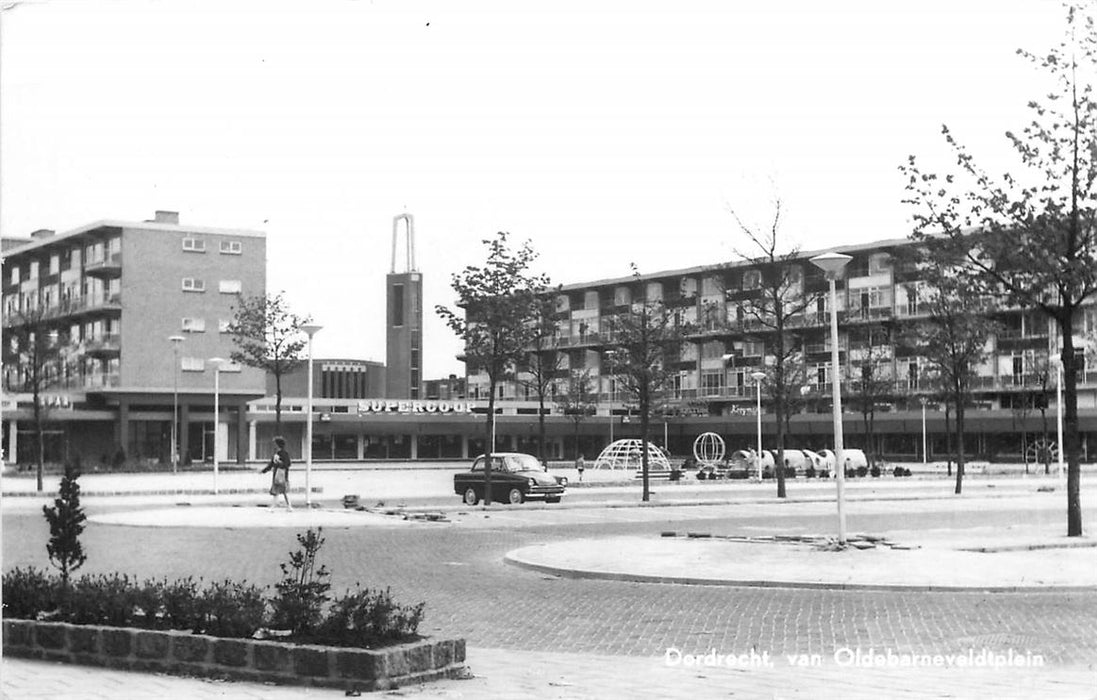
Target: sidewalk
(506, 674)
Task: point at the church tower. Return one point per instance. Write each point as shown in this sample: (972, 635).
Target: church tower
(403, 318)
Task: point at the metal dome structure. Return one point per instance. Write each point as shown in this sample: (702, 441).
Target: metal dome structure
(625, 454)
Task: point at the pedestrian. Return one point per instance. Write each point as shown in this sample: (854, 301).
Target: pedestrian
(580, 465)
(279, 481)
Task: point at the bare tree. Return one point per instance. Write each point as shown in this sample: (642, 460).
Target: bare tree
(500, 303)
(775, 310)
(539, 365)
(871, 354)
(40, 354)
(268, 336)
(647, 339)
(1031, 235)
(577, 401)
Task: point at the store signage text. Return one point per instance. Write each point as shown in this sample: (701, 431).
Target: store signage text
(414, 407)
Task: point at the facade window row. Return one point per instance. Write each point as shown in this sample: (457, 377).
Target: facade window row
(198, 245)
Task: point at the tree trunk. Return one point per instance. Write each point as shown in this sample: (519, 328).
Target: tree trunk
(278, 405)
(1047, 452)
(1070, 431)
(41, 444)
(959, 443)
(541, 426)
(948, 438)
(644, 405)
(489, 443)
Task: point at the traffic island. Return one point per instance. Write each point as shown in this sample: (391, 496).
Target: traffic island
(1005, 561)
(263, 661)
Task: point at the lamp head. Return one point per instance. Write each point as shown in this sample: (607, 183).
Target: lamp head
(758, 376)
(310, 329)
(831, 264)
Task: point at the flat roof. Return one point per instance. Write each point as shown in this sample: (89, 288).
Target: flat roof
(36, 243)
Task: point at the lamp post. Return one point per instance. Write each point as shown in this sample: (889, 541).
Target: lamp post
(1059, 413)
(925, 451)
(175, 340)
(758, 377)
(216, 362)
(832, 265)
(310, 329)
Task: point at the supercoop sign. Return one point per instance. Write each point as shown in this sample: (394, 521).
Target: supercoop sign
(384, 406)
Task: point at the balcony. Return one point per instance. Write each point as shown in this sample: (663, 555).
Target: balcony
(107, 345)
(108, 267)
(101, 380)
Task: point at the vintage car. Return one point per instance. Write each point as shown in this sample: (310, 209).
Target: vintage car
(515, 478)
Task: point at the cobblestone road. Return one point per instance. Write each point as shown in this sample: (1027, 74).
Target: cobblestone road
(470, 592)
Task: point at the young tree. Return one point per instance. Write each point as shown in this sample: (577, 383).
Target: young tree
(870, 358)
(577, 401)
(500, 302)
(268, 336)
(647, 340)
(954, 341)
(538, 367)
(1032, 234)
(66, 520)
(780, 300)
(40, 365)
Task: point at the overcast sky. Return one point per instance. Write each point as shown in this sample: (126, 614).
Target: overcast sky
(605, 133)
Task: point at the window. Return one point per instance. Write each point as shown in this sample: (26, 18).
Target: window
(194, 245)
(192, 364)
(15, 275)
(191, 284)
(712, 383)
(229, 287)
(397, 305)
(194, 325)
(33, 270)
(752, 279)
(230, 367)
(55, 264)
(231, 248)
(223, 325)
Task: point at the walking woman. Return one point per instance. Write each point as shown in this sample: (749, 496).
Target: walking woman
(279, 464)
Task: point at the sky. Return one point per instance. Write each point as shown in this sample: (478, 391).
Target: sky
(604, 133)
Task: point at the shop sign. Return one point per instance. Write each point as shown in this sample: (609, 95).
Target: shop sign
(408, 407)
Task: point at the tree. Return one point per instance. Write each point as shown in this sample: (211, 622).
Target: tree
(953, 339)
(1032, 235)
(500, 302)
(780, 301)
(870, 357)
(577, 401)
(66, 520)
(40, 365)
(538, 367)
(647, 341)
(267, 336)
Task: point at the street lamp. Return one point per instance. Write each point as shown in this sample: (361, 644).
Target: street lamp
(758, 377)
(925, 452)
(832, 265)
(216, 362)
(175, 340)
(310, 329)
(1059, 412)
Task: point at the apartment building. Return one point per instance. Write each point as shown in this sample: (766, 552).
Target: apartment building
(877, 297)
(142, 311)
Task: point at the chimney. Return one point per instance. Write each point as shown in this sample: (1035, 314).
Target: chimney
(42, 233)
(166, 217)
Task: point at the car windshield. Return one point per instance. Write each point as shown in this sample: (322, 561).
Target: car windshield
(519, 463)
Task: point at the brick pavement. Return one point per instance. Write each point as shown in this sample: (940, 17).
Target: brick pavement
(471, 593)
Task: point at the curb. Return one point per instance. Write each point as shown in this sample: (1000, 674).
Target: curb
(803, 585)
(160, 492)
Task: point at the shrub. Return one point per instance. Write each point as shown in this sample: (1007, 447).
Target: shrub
(28, 592)
(303, 589)
(182, 604)
(367, 618)
(233, 609)
(101, 600)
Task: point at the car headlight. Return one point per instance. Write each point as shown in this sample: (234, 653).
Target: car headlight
(532, 483)
(562, 480)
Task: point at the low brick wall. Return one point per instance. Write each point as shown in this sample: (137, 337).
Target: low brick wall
(186, 654)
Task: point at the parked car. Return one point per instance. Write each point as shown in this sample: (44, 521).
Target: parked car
(515, 478)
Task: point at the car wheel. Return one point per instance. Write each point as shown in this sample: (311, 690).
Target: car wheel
(471, 497)
(515, 495)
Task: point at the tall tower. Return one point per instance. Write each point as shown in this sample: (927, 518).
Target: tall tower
(403, 318)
